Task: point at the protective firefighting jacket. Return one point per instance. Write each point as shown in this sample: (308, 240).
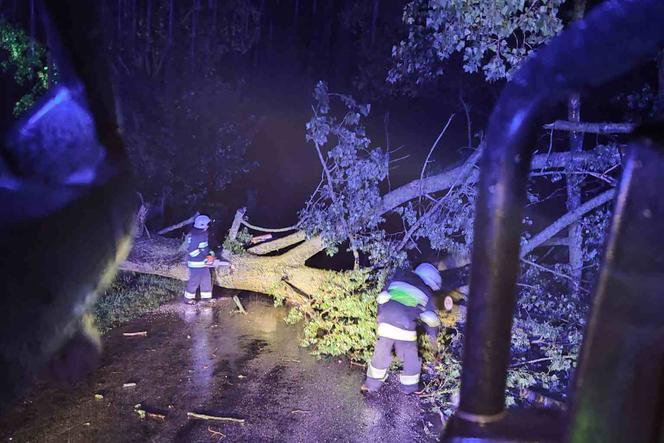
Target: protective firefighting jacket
(198, 248)
(405, 300)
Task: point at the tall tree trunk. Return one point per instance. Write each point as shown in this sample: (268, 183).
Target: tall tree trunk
(32, 26)
(660, 84)
(170, 24)
(148, 39)
(194, 15)
(574, 181)
(296, 14)
(574, 197)
(374, 20)
(133, 17)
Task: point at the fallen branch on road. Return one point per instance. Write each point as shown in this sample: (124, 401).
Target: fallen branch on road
(215, 418)
(135, 334)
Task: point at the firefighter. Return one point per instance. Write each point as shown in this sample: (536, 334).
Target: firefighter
(407, 298)
(200, 258)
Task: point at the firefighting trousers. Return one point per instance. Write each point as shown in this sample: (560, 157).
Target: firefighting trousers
(406, 351)
(199, 278)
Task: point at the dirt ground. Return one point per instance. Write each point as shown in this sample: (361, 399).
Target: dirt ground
(209, 360)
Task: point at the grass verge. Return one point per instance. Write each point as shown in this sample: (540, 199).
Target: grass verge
(132, 295)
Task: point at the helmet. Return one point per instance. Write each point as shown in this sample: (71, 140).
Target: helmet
(202, 222)
(430, 275)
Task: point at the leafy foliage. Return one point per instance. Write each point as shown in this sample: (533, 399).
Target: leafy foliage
(239, 244)
(341, 316)
(344, 205)
(26, 58)
(492, 36)
(549, 319)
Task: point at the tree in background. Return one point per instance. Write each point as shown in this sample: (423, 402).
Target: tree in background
(186, 128)
(493, 37)
(25, 59)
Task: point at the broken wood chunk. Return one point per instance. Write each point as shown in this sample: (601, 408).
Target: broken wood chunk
(239, 305)
(143, 413)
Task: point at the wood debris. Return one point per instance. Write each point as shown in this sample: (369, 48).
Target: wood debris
(215, 418)
(129, 385)
(239, 305)
(135, 334)
(300, 411)
(216, 433)
(144, 413)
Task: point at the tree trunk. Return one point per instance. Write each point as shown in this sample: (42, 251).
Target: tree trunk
(660, 84)
(575, 234)
(574, 198)
(591, 128)
(374, 20)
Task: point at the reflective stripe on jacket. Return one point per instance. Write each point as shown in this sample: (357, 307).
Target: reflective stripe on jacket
(197, 248)
(397, 320)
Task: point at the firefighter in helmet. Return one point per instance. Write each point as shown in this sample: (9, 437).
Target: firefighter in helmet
(407, 299)
(200, 258)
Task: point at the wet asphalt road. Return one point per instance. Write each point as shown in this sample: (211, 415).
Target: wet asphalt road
(205, 359)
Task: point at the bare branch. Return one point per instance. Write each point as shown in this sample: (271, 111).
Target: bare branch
(426, 161)
(564, 221)
(260, 229)
(278, 244)
(447, 179)
(182, 224)
(592, 128)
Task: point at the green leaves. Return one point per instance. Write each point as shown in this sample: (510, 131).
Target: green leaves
(344, 205)
(341, 316)
(26, 58)
(493, 36)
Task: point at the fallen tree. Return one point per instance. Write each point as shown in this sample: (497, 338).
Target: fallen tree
(261, 268)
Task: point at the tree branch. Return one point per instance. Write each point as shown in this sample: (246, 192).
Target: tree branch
(182, 224)
(280, 243)
(591, 128)
(447, 179)
(260, 229)
(564, 221)
(426, 161)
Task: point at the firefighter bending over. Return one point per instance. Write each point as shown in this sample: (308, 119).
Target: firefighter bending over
(407, 299)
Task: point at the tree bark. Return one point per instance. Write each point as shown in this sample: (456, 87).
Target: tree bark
(564, 221)
(591, 128)
(660, 83)
(447, 179)
(182, 224)
(574, 197)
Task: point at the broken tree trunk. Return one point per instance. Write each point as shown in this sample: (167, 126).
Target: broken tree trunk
(287, 276)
